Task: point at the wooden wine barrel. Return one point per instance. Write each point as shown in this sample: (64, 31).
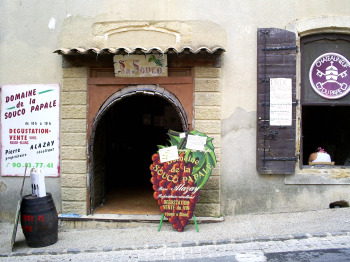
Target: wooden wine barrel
(39, 220)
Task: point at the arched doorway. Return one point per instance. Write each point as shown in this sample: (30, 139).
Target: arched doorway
(125, 133)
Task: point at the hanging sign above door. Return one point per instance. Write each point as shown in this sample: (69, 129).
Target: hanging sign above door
(151, 65)
(329, 76)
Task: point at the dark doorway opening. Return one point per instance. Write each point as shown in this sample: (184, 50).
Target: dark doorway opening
(126, 137)
(329, 128)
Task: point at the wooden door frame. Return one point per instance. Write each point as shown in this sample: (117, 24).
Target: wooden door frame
(100, 89)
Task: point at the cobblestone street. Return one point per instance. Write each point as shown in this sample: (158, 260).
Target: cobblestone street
(260, 237)
(242, 250)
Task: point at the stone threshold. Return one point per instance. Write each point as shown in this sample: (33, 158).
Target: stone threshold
(128, 218)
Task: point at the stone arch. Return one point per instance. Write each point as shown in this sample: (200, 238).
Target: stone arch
(322, 24)
(147, 90)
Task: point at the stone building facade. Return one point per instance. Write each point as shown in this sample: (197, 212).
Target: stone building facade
(225, 55)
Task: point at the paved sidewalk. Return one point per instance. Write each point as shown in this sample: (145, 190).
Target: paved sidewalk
(255, 250)
(236, 235)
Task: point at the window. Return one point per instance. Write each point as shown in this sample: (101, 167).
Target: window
(325, 110)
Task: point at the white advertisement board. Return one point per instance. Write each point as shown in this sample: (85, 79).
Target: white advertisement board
(280, 102)
(30, 129)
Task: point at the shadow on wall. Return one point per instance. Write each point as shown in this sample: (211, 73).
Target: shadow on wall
(339, 204)
(238, 144)
(3, 187)
(239, 120)
(238, 167)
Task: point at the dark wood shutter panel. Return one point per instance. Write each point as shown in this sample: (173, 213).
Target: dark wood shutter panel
(276, 59)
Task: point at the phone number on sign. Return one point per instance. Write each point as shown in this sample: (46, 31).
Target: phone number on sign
(36, 165)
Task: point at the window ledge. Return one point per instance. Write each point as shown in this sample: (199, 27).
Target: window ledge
(320, 175)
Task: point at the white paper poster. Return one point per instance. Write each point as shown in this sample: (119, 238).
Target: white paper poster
(168, 154)
(196, 142)
(30, 129)
(280, 102)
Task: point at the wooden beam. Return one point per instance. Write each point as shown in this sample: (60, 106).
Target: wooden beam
(174, 60)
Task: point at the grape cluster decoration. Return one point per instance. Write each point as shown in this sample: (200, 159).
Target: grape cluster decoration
(177, 183)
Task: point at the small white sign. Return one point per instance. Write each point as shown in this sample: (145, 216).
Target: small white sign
(168, 154)
(196, 142)
(280, 102)
(182, 135)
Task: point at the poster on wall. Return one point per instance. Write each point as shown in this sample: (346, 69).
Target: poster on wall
(280, 102)
(30, 129)
(179, 171)
(329, 76)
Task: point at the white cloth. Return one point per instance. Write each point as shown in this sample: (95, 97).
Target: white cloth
(322, 157)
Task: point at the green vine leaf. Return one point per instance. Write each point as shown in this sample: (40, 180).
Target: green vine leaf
(206, 170)
(152, 58)
(175, 140)
(204, 161)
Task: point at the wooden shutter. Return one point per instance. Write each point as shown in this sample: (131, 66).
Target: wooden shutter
(276, 59)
